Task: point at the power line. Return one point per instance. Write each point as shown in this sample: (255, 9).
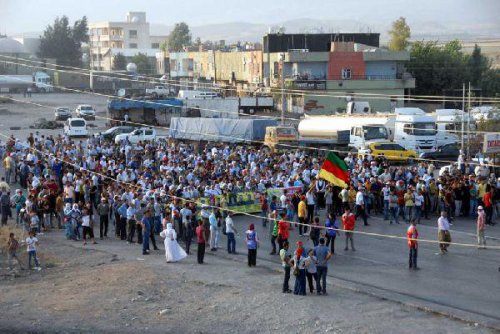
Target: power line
(292, 92)
(259, 142)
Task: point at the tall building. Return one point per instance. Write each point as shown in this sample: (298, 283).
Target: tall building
(129, 38)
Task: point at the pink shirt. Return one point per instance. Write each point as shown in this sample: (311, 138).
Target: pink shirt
(480, 220)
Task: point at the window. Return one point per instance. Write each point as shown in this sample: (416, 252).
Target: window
(397, 147)
(420, 129)
(133, 45)
(155, 45)
(149, 132)
(346, 73)
(132, 33)
(375, 132)
(77, 123)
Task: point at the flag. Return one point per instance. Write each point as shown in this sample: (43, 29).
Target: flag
(334, 170)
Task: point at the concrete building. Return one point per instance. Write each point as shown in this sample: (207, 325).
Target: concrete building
(341, 65)
(132, 35)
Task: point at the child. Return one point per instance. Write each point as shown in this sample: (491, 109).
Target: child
(34, 223)
(87, 224)
(12, 246)
(32, 241)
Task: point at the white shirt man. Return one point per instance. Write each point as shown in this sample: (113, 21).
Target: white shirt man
(360, 200)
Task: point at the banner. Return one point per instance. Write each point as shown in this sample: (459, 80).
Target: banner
(244, 202)
(491, 143)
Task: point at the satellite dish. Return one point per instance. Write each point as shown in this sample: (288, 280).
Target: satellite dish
(135, 19)
(132, 68)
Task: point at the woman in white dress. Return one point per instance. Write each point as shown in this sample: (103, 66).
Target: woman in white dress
(173, 252)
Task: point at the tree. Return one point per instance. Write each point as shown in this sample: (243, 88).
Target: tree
(478, 66)
(400, 33)
(437, 68)
(490, 83)
(142, 62)
(179, 37)
(119, 62)
(62, 42)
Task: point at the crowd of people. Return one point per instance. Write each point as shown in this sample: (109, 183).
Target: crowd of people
(148, 189)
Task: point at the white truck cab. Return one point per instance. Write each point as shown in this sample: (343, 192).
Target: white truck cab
(414, 129)
(76, 127)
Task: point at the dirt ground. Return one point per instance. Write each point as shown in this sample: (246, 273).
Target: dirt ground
(110, 287)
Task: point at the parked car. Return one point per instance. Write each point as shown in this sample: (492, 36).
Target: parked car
(390, 151)
(138, 135)
(158, 91)
(85, 111)
(76, 127)
(62, 113)
(111, 133)
(448, 152)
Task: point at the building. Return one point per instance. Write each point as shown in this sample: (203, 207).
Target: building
(132, 36)
(15, 50)
(334, 69)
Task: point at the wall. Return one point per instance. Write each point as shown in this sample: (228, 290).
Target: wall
(381, 69)
(327, 105)
(312, 70)
(341, 60)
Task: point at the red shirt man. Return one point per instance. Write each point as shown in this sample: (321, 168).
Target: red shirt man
(348, 220)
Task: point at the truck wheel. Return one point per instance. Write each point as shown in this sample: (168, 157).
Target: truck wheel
(251, 111)
(154, 95)
(411, 159)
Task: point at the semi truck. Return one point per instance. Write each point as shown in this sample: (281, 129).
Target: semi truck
(226, 130)
(38, 82)
(449, 125)
(410, 127)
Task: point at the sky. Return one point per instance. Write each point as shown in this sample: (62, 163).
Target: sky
(18, 16)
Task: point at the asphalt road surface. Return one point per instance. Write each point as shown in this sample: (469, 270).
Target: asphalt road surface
(465, 283)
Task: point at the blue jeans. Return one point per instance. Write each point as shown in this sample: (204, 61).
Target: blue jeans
(264, 218)
(231, 243)
(321, 283)
(473, 207)
(408, 213)
(395, 214)
(32, 254)
(145, 239)
(386, 210)
(417, 213)
(157, 224)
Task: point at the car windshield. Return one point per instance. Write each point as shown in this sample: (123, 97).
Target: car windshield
(62, 109)
(86, 108)
(78, 123)
(424, 129)
(375, 132)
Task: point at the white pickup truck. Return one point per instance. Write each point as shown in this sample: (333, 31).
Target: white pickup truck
(158, 91)
(138, 135)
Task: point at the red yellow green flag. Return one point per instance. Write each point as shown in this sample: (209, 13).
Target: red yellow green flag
(334, 170)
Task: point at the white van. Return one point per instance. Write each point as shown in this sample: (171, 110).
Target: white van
(76, 127)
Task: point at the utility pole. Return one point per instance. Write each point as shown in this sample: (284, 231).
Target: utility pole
(463, 115)
(468, 125)
(282, 60)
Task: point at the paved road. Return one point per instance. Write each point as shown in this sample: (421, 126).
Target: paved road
(464, 283)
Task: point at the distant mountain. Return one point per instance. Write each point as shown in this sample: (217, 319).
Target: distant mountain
(253, 32)
(425, 30)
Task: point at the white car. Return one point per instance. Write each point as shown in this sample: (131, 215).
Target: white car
(138, 135)
(76, 127)
(85, 111)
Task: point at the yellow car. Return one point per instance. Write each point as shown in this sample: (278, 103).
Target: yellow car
(390, 151)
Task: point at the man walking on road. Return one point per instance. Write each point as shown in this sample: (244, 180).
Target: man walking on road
(348, 221)
(323, 254)
(481, 218)
(200, 237)
(285, 262)
(360, 206)
(412, 234)
(444, 236)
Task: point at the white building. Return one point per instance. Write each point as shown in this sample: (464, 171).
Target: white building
(107, 38)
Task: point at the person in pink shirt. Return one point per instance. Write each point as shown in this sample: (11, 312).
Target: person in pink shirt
(481, 218)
